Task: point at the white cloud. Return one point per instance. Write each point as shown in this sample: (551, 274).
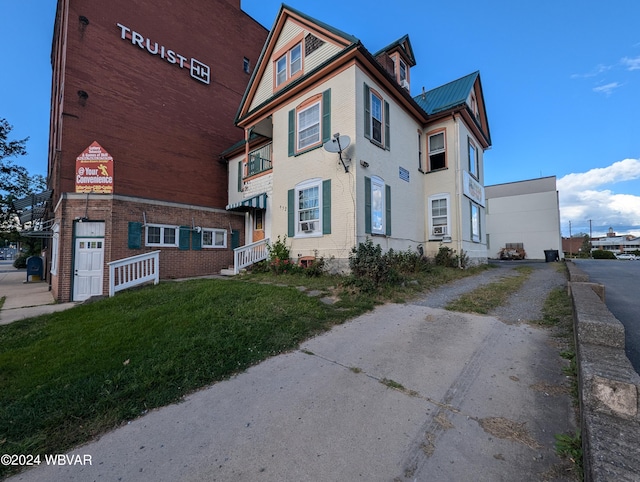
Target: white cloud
(631, 64)
(625, 170)
(581, 201)
(600, 68)
(607, 89)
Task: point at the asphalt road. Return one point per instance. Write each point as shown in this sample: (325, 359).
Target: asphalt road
(622, 292)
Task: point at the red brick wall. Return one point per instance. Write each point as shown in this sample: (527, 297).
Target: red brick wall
(117, 213)
(163, 128)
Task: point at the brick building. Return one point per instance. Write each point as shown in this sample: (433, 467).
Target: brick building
(143, 100)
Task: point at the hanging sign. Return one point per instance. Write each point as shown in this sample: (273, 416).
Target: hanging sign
(94, 170)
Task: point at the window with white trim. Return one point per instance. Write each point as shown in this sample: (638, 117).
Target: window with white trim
(308, 212)
(475, 222)
(437, 151)
(55, 248)
(474, 166)
(161, 235)
(377, 125)
(439, 217)
(214, 238)
(308, 126)
(289, 64)
(377, 206)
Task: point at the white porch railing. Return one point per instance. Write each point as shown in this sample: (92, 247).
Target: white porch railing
(251, 253)
(136, 270)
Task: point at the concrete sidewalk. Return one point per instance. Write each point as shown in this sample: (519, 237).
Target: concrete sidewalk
(22, 299)
(407, 392)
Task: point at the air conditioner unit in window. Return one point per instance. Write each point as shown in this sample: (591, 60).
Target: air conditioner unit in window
(439, 230)
(308, 226)
(404, 84)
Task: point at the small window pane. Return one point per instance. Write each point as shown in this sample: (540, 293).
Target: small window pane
(377, 207)
(207, 238)
(296, 59)
(153, 235)
(376, 118)
(169, 236)
(436, 142)
(281, 70)
(219, 238)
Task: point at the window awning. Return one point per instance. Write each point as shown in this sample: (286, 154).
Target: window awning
(257, 202)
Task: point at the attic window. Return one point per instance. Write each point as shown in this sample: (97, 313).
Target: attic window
(311, 44)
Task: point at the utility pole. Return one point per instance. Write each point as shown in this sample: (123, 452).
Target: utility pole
(570, 241)
(590, 238)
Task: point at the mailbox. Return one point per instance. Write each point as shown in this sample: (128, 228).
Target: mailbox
(34, 268)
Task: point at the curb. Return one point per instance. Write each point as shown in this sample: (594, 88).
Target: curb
(608, 386)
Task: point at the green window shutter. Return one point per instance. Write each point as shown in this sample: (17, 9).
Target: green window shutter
(291, 213)
(292, 132)
(240, 176)
(196, 240)
(235, 239)
(367, 205)
(183, 240)
(134, 235)
(367, 112)
(326, 206)
(387, 127)
(387, 206)
(326, 115)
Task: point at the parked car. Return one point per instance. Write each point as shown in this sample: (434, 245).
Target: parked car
(626, 256)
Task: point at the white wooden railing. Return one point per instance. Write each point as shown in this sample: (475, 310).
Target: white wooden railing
(248, 254)
(136, 270)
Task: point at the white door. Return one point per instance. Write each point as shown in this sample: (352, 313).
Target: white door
(88, 266)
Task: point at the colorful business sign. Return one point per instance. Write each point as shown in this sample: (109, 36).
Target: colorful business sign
(94, 170)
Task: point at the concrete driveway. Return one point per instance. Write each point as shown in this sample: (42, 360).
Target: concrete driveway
(407, 392)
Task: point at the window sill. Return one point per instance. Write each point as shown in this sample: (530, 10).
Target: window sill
(436, 170)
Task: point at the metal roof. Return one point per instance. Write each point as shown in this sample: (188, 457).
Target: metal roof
(447, 96)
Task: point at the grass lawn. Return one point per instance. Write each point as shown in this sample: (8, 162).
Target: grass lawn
(71, 375)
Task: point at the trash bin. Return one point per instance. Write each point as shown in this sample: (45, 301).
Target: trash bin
(34, 268)
(551, 255)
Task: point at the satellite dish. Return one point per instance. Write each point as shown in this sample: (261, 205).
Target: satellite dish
(336, 146)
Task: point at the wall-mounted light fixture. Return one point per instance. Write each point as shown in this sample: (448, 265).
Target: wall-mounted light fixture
(84, 21)
(364, 163)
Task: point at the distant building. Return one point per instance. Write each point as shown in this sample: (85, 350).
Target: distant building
(523, 215)
(624, 243)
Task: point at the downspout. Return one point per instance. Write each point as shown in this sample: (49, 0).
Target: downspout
(458, 191)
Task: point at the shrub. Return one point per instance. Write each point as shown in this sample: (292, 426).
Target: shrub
(21, 261)
(279, 256)
(315, 269)
(369, 267)
(602, 254)
(447, 257)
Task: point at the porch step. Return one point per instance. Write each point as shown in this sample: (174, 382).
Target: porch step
(227, 272)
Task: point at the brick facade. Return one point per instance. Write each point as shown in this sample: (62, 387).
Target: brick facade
(163, 128)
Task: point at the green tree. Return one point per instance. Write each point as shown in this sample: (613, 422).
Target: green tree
(585, 249)
(15, 181)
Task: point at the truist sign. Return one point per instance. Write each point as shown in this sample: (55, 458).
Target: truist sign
(197, 69)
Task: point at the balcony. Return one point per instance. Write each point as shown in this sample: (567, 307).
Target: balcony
(259, 160)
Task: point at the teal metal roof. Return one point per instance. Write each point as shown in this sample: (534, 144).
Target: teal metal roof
(447, 96)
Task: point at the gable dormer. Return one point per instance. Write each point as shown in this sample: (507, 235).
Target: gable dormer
(297, 46)
(397, 59)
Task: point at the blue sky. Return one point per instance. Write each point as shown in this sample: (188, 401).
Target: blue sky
(561, 82)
